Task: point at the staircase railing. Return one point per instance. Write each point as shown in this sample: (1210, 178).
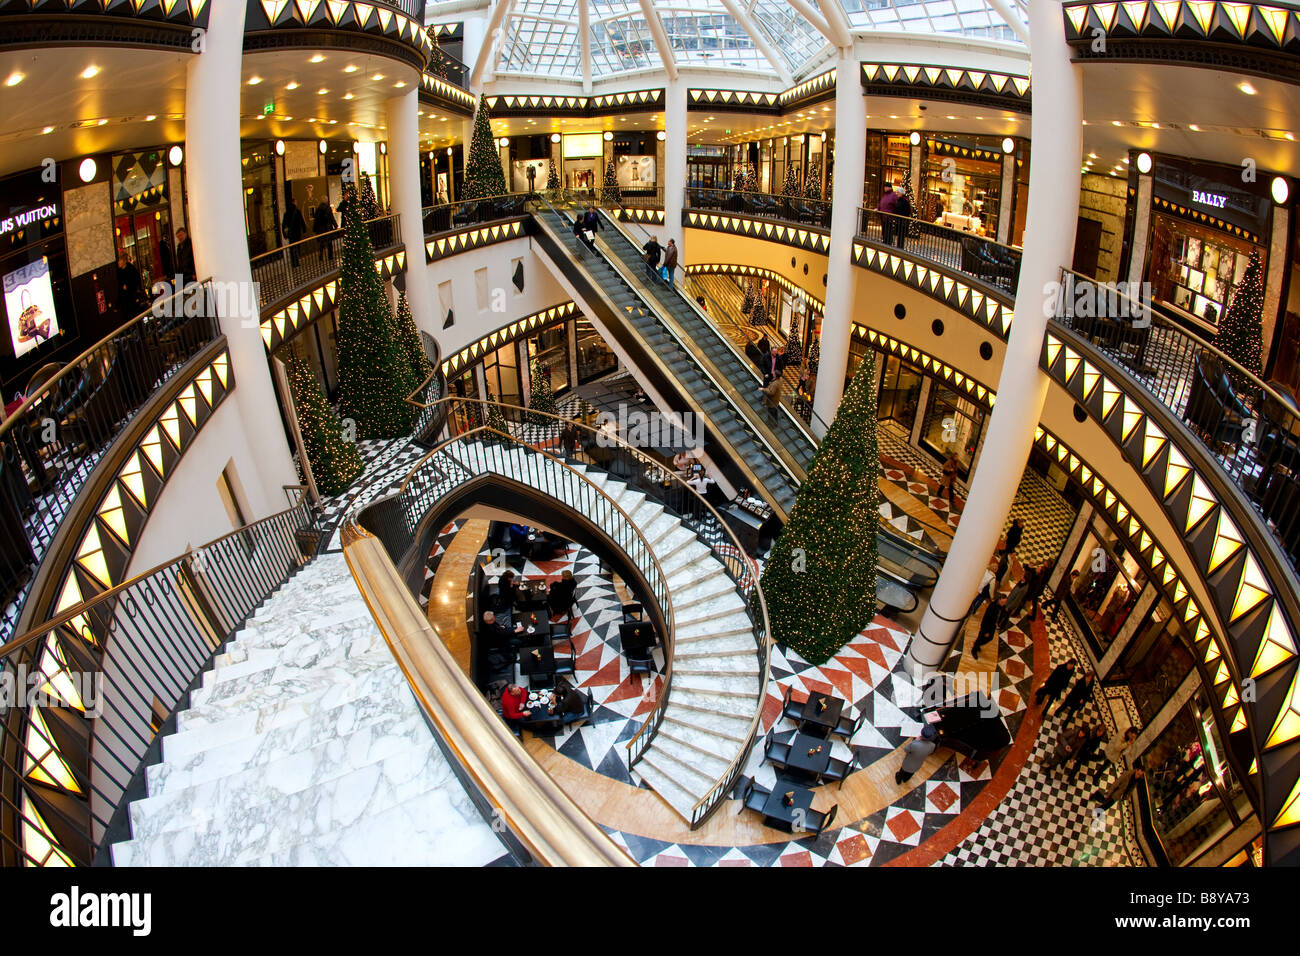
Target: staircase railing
(281, 272)
(97, 684)
(1250, 427)
(598, 448)
(51, 443)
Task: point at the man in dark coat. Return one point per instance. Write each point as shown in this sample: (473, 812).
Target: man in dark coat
(990, 624)
(652, 251)
(294, 226)
(1014, 534)
(129, 288)
(185, 255)
(322, 224)
(1055, 684)
(1079, 695)
(1088, 751)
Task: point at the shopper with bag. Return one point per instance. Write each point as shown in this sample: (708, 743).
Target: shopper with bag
(670, 261)
(652, 251)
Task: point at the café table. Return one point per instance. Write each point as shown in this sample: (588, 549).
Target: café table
(530, 595)
(778, 815)
(819, 720)
(538, 665)
(811, 764)
(537, 702)
(541, 634)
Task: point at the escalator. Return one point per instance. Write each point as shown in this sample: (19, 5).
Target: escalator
(738, 435)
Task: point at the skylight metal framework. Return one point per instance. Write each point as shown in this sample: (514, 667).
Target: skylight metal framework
(593, 39)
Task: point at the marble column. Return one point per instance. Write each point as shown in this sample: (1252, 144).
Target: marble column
(850, 161)
(1022, 387)
(675, 130)
(404, 181)
(216, 220)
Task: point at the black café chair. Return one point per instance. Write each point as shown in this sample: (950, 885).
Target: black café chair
(836, 770)
(790, 709)
(819, 823)
(565, 664)
(848, 726)
(633, 612)
(777, 754)
(641, 662)
(754, 797)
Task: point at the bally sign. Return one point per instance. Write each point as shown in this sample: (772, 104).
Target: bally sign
(22, 220)
(1209, 199)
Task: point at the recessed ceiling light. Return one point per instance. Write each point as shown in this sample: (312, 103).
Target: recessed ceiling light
(1194, 128)
(322, 91)
(377, 77)
(318, 58)
(14, 79)
(350, 68)
(291, 85)
(1116, 123)
(89, 72)
(399, 84)
(347, 96)
(102, 122)
(254, 80)
(47, 130)
(1246, 88)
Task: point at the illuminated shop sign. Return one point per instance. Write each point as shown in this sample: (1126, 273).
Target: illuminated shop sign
(1213, 200)
(21, 220)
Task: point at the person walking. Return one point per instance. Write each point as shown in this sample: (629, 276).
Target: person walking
(1037, 582)
(670, 259)
(185, 256)
(1061, 590)
(949, 478)
(989, 624)
(1087, 752)
(323, 225)
(1014, 534)
(1016, 599)
(915, 752)
(591, 222)
(902, 209)
(1115, 753)
(774, 385)
(294, 227)
(988, 589)
(1056, 683)
(1067, 747)
(652, 251)
(1120, 788)
(888, 205)
(1079, 695)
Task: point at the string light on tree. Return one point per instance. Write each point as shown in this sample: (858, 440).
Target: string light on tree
(483, 175)
(1241, 331)
(335, 461)
(610, 191)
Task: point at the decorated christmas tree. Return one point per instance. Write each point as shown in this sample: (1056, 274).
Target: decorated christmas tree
(540, 398)
(758, 315)
(437, 65)
(367, 204)
(416, 361)
(814, 353)
(373, 368)
(1241, 333)
(791, 185)
(793, 347)
(751, 294)
(812, 185)
(335, 461)
(610, 191)
(751, 179)
(483, 175)
(493, 417)
(552, 177)
(820, 579)
(830, 175)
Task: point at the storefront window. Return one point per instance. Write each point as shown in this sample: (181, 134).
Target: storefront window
(1156, 661)
(141, 216)
(707, 167)
(1196, 799)
(962, 191)
(952, 427)
(1196, 269)
(549, 350)
(595, 358)
(900, 392)
(260, 206)
(889, 158)
(501, 369)
(1106, 587)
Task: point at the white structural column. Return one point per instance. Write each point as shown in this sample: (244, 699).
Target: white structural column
(675, 161)
(1022, 387)
(846, 197)
(404, 177)
(216, 203)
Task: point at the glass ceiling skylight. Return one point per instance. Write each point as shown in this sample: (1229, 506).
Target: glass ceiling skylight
(541, 37)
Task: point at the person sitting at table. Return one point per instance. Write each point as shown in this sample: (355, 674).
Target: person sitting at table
(560, 596)
(682, 462)
(501, 634)
(565, 699)
(518, 534)
(513, 699)
(503, 598)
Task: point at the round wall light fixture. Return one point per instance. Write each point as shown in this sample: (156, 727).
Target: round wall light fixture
(322, 147)
(823, 136)
(175, 155)
(1144, 163)
(356, 146)
(279, 147)
(608, 136)
(1281, 190)
(661, 136)
(555, 137)
(87, 170)
(448, 150)
(1008, 145)
(915, 139)
(383, 149)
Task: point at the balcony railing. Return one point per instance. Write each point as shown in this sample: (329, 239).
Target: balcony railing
(993, 263)
(132, 654)
(448, 216)
(281, 272)
(51, 443)
(453, 70)
(1251, 427)
(793, 209)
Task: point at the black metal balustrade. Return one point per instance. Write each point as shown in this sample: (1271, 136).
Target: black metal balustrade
(115, 670)
(281, 273)
(993, 263)
(793, 209)
(449, 216)
(473, 436)
(1251, 427)
(51, 443)
(453, 70)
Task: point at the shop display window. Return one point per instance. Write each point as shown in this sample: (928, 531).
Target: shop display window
(595, 358)
(1106, 587)
(961, 192)
(1196, 269)
(501, 369)
(1195, 797)
(549, 349)
(900, 392)
(952, 427)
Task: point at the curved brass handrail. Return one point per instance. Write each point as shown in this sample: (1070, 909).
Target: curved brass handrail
(48, 385)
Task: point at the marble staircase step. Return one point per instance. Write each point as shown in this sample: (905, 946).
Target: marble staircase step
(710, 588)
(737, 622)
(731, 685)
(718, 665)
(708, 648)
(693, 770)
(672, 792)
(696, 574)
(707, 742)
